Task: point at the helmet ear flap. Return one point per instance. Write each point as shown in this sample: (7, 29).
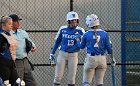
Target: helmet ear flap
(68, 21)
(77, 20)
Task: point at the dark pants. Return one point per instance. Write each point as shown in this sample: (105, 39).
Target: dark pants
(25, 72)
(8, 71)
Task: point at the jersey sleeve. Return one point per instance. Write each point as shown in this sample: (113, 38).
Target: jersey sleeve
(108, 44)
(59, 31)
(82, 44)
(82, 32)
(58, 40)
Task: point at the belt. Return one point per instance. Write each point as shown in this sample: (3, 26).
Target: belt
(22, 58)
(70, 52)
(95, 54)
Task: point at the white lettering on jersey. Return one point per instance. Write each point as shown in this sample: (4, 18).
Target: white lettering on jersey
(68, 36)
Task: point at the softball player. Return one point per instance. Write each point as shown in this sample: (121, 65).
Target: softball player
(68, 54)
(96, 42)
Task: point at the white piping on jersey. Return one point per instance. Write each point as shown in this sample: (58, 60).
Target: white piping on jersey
(62, 27)
(59, 31)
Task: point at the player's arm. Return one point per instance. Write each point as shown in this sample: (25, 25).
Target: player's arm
(110, 50)
(53, 50)
(56, 45)
(58, 40)
(108, 44)
(81, 44)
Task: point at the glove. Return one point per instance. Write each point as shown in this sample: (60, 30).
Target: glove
(113, 62)
(52, 59)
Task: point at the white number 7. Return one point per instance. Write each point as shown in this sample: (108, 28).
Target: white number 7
(96, 44)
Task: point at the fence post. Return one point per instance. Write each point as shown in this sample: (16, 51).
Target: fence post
(71, 5)
(123, 40)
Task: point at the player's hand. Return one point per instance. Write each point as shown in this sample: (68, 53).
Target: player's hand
(52, 59)
(113, 62)
(77, 36)
(33, 49)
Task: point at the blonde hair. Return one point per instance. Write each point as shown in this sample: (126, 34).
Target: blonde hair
(4, 19)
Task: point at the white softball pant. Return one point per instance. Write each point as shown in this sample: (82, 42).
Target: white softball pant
(94, 67)
(71, 59)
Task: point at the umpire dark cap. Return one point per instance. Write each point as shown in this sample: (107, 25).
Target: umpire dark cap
(15, 17)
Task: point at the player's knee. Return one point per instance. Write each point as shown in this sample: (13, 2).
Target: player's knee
(86, 84)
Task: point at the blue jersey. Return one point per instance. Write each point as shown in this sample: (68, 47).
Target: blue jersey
(65, 39)
(96, 46)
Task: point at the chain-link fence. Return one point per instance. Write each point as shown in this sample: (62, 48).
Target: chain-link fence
(42, 19)
(44, 73)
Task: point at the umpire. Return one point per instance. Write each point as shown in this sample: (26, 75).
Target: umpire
(22, 63)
